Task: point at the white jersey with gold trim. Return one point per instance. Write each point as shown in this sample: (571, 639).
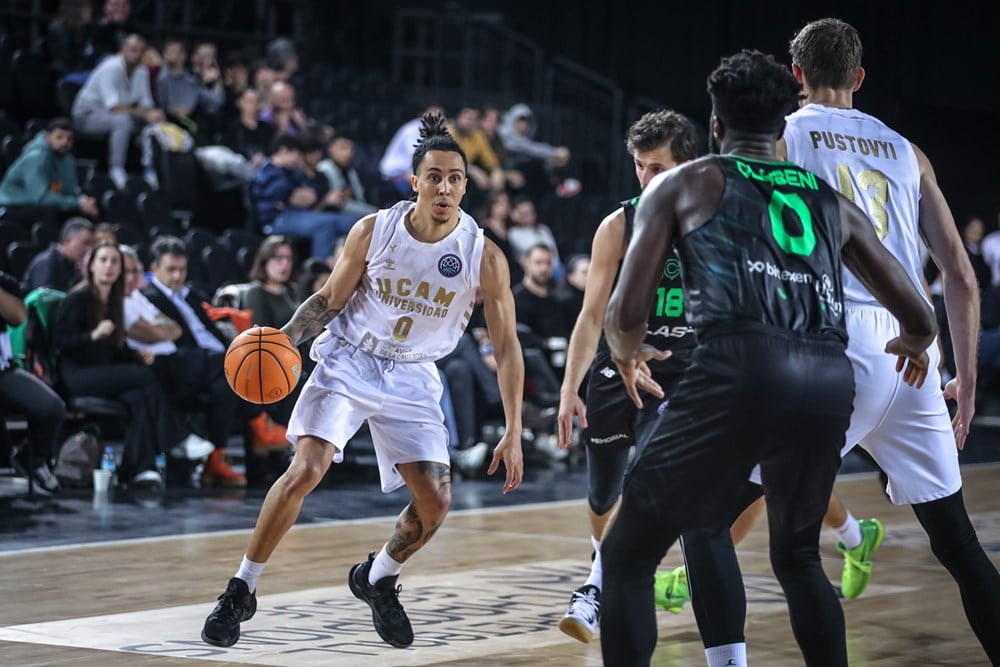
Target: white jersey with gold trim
(870, 164)
(415, 299)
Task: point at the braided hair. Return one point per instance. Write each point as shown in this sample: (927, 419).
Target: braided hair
(434, 136)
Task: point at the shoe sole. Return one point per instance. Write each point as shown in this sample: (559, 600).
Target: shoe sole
(575, 629)
(361, 596)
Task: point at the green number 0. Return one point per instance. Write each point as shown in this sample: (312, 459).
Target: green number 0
(793, 245)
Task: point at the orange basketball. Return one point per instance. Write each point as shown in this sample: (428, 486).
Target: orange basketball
(262, 365)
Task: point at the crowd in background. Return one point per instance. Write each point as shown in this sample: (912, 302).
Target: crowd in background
(143, 310)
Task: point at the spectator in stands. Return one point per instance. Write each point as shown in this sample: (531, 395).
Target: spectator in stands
(192, 101)
(286, 201)
(282, 112)
(272, 298)
(283, 60)
(343, 177)
(244, 145)
(535, 296)
(328, 198)
(70, 40)
(236, 79)
(112, 27)
(526, 232)
(470, 372)
(541, 163)
(104, 231)
(146, 328)
(570, 293)
(197, 366)
(485, 172)
(972, 237)
(314, 275)
(94, 360)
(489, 123)
(117, 100)
(395, 165)
(262, 78)
(495, 222)
(24, 394)
(41, 184)
(58, 266)
(540, 317)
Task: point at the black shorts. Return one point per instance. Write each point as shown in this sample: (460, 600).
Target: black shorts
(754, 396)
(612, 418)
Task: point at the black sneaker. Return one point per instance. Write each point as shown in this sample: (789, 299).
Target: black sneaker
(222, 627)
(388, 617)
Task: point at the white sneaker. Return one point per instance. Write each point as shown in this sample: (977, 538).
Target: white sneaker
(147, 479)
(583, 614)
(118, 177)
(192, 448)
(46, 479)
(468, 461)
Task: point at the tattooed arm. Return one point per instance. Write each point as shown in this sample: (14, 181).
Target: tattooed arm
(317, 311)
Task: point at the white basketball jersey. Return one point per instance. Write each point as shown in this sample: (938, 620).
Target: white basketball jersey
(414, 299)
(870, 164)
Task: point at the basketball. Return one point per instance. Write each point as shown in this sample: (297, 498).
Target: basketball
(262, 365)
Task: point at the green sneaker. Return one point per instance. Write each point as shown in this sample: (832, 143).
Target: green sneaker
(670, 590)
(858, 561)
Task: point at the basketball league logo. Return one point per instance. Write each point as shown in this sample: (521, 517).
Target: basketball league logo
(450, 265)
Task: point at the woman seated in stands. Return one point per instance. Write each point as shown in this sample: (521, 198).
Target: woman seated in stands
(94, 360)
(272, 300)
(271, 297)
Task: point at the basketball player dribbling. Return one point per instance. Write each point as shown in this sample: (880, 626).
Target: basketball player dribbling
(908, 432)
(399, 298)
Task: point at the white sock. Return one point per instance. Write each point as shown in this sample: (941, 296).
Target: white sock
(118, 177)
(250, 572)
(383, 566)
(596, 577)
(727, 655)
(850, 532)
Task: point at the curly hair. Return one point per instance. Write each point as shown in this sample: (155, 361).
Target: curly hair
(434, 136)
(663, 127)
(752, 92)
(829, 53)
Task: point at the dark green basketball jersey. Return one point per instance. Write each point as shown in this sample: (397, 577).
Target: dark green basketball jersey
(770, 254)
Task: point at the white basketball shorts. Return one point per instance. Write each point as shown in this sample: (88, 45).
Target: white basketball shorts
(906, 430)
(401, 402)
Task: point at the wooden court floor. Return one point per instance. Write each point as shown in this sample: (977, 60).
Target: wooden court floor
(489, 589)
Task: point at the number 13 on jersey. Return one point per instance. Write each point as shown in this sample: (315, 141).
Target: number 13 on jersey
(876, 187)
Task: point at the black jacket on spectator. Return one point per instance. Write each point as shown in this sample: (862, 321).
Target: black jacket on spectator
(249, 142)
(167, 307)
(72, 335)
(544, 315)
(50, 268)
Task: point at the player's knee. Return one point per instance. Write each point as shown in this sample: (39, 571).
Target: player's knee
(299, 480)
(602, 503)
(438, 502)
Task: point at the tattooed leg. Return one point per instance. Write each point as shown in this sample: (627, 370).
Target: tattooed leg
(430, 486)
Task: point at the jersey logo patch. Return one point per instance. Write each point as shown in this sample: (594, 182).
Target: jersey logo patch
(607, 372)
(672, 268)
(450, 265)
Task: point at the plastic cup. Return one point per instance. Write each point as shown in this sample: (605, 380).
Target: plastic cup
(102, 480)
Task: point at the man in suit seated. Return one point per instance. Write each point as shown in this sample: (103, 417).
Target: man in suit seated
(197, 366)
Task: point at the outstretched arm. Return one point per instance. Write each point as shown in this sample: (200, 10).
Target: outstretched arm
(498, 305)
(316, 312)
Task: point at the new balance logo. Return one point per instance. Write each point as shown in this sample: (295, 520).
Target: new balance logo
(607, 372)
